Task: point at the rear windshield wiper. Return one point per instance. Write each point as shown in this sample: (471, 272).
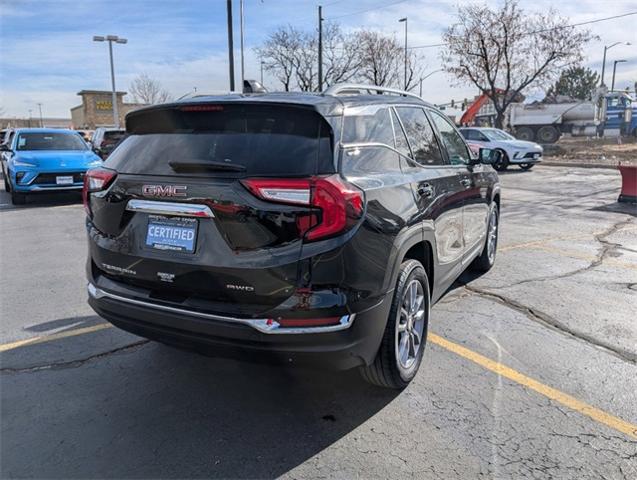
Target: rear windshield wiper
(205, 166)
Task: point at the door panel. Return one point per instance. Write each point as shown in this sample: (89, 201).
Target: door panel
(437, 191)
(475, 209)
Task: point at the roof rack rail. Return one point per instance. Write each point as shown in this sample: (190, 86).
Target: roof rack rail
(355, 88)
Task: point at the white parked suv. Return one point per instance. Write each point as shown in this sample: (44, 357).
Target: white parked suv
(514, 152)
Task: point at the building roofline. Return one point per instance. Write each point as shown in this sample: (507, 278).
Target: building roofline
(82, 92)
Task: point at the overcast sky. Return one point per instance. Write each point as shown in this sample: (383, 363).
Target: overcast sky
(47, 56)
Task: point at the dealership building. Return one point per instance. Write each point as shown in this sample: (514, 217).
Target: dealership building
(96, 109)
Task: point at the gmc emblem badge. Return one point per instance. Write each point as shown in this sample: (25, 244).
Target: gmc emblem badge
(164, 190)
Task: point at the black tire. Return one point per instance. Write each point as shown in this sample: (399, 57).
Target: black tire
(18, 198)
(525, 133)
(526, 166)
(386, 370)
(548, 134)
(502, 164)
(485, 261)
(7, 184)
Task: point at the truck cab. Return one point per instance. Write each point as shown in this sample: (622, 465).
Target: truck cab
(616, 115)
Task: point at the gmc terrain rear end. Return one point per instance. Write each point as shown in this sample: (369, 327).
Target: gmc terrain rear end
(247, 225)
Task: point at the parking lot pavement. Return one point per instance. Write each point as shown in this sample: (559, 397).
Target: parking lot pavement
(530, 371)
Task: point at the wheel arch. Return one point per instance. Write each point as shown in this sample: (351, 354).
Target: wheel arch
(423, 252)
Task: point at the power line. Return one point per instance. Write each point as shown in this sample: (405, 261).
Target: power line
(547, 29)
(377, 7)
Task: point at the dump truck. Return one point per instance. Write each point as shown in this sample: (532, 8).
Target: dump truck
(608, 114)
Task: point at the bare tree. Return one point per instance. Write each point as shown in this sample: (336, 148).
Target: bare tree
(145, 89)
(306, 62)
(379, 58)
(341, 56)
(279, 54)
(504, 51)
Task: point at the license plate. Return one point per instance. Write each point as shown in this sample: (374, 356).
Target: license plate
(174, 234)
(64, 180)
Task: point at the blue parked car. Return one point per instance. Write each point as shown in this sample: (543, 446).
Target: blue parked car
(43, 160)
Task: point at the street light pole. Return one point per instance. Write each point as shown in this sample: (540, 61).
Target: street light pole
(261, 72)
(241, 40)
(320, 48)
(612, 85)
(405, 20)
(230, 45)
(427, 76)
(110, 39)
(42, 123)
(606, 48)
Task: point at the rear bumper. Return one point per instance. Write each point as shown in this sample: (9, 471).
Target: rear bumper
(352, 345)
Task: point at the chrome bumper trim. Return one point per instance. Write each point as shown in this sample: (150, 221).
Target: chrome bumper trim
(170, 208)
(35, 188)
(263, 325)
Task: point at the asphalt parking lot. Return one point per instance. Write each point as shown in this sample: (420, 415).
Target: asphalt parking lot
(530, 371)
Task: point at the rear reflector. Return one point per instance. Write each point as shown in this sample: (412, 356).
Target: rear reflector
(96, 180)
(308, 322)
(340, 203)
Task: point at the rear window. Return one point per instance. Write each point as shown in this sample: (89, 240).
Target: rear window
(258, 139)
(114, 135)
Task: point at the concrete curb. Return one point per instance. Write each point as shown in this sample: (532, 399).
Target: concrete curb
(550, 163)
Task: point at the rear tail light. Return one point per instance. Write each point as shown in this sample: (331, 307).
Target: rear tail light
(340, 203)
(96, 180)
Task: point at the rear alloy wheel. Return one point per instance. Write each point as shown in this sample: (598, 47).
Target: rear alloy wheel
(485, 261)
(403, 343)
(526, 166)
(548, 134)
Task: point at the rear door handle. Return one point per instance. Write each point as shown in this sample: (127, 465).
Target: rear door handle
(426, 190)
(466, 182)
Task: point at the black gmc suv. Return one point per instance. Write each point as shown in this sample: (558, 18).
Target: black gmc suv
(305, 227)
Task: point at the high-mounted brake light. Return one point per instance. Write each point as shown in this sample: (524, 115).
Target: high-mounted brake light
(340, 203)
(96, 180)
(201, 108)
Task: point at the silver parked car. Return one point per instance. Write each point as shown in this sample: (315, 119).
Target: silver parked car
(514, 152)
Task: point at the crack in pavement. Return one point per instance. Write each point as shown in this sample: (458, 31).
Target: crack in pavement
(74, 363)
(546, 320)
(606, 249)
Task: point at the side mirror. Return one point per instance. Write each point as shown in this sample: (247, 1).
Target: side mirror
(5, 148)
(489, 156)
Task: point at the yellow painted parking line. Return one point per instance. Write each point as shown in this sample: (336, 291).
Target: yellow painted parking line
(56, 336)
(590, 258)
(543, 241)
(573, 403)
(506, 248)
(507, 372)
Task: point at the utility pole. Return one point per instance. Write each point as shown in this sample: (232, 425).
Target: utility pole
(405, 20)
(261, 72)
(241, 26)
(230, 45)
(42, 123)
(320, 48)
